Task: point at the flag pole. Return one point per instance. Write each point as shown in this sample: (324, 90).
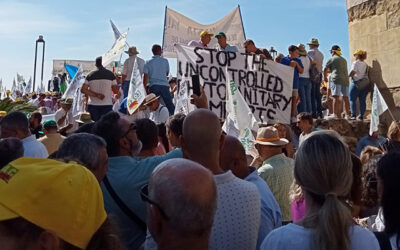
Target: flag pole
(165, 20)
(241, 19)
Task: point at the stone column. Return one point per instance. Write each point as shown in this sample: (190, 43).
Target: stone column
(374, 26)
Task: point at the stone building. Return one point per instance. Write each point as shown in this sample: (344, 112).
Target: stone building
(374, 26)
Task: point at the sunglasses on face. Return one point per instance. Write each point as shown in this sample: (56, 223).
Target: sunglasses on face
(132, 126)
(144, 194)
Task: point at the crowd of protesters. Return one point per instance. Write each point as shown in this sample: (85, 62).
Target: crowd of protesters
(156, 179)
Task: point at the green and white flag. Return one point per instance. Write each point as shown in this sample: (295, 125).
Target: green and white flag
(115, 51)
(378, 107)
(240, 121)
(137, 93)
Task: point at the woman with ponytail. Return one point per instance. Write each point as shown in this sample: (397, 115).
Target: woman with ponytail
(323, 170)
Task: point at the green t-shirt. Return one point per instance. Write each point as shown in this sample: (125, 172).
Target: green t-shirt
(337, 65)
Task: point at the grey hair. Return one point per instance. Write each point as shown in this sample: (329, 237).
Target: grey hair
(187, 215)
(82, 148)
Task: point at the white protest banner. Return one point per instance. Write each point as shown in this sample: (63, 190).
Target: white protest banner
(378, 107)
(178, 29)
(266, 86)
(115, 51)
(137, 93)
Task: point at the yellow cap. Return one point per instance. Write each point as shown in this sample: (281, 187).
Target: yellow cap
(3, 113)
(64, 198)
(358, 52)
(8, 91)
(205, 33)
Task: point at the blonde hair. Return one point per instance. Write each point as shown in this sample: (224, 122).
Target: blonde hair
(393, 130)
(295, 192)
(368, 152)
(323, 169)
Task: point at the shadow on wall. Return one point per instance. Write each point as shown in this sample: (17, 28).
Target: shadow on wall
(391, 96)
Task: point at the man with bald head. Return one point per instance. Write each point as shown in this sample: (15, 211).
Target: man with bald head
(237, 218)
(233, 157)
(182, 200)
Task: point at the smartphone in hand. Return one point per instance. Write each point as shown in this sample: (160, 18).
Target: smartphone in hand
(196, 85)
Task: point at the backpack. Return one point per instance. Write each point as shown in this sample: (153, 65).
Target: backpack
(315, 75)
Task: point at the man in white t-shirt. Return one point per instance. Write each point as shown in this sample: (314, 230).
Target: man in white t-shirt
(159, 113)
(15, 124)
(318, 58)
(64, 118)
(99, 86)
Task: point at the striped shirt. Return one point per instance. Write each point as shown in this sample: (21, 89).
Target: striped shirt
(101, 81)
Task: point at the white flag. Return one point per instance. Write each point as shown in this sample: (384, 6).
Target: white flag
(76, 83)
(137, 93)
(117, 34)
(115, 51)
(240, 121)
(378, 107)
(183, 104)
(28, 87)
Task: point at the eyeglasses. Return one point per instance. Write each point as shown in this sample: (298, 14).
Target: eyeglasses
(132, 126)
(144, 194)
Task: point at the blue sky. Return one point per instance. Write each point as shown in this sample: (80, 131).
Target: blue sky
(81, 30)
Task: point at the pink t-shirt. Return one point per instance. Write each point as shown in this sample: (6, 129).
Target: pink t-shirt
(298, 209)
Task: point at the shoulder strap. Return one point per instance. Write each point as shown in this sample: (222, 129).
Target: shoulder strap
(383, 240)
(159, 111)
(123, 206)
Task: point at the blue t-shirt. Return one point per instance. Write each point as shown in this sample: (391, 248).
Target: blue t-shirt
(123, 108)
(286, 61)
(367, 141)
(271, 216)
(157, 69)
(127, 176)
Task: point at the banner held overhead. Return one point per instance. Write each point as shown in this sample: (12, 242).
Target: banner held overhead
(266, 86)
(179, 29)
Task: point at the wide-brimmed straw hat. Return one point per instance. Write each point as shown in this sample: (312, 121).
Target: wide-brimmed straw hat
(84, 118)
(150, 98)
(269, 136)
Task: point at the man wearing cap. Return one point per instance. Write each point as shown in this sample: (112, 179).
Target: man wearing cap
(155, 79)
(317, 59)
(277, 169)
(339, 82)
(251, 48)
(205, 38)
(159, 113)
(48, 204)
(222, 45)
(293, 60)
(51, 139)
(64, 118)
(99, 86)
(128, 68)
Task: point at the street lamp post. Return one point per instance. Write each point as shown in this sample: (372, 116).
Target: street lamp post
(273, 52)
(39, 40)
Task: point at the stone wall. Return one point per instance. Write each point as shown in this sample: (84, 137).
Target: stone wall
(374, 26)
